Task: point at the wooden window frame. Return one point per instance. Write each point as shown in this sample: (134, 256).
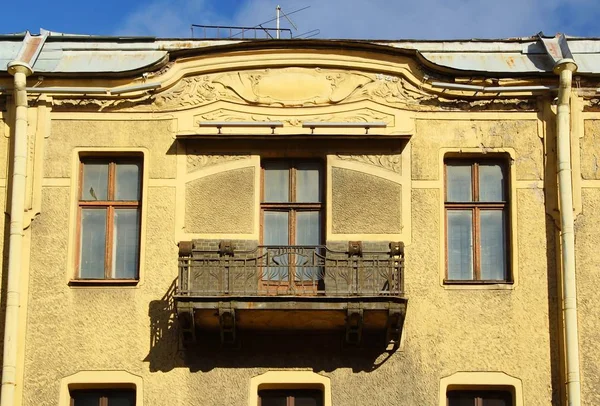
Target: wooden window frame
(104, 394)
(110, 205)
(292, 207)
(291, 395)
(476, 207)
(480, 395)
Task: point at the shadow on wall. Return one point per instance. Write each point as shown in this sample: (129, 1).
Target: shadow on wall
(553, 311)
(286, 147)
(165, 352)
(319, 351)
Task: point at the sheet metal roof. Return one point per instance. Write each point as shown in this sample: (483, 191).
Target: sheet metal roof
(76, 54)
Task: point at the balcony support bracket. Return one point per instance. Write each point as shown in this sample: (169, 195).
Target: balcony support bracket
(187, 325)
(354, 323)
(227, 323)
(395, 322)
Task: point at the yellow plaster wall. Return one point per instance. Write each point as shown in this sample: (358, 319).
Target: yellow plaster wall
(365, 204)
(221, 203)
(590, 150)
(131, 329)
(587, 241)
(74, 329)
(67, 134)
(478, 132)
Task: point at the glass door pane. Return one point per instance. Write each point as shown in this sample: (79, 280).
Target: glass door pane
(276, 182)
(308, 182)
(308, 232)
(276, 232)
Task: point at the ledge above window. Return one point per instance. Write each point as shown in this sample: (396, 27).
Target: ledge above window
(297, 129)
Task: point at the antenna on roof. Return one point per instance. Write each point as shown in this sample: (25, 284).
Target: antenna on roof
(278, 10)
(237, 31)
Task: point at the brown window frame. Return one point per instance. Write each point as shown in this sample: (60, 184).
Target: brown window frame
(110, 205)
(292, 207)
(291, 395)
(103, 394)
(476, 207)
(479, 396)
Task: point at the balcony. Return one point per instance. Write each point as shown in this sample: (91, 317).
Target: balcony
(290, 288)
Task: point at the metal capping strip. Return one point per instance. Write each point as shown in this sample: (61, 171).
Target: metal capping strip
(31, 48)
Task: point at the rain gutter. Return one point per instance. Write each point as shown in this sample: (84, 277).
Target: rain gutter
(565, 66)
(20, 68)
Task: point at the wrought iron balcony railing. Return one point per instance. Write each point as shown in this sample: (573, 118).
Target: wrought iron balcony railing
(290, 270)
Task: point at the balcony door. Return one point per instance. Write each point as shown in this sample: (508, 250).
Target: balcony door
(291, 225)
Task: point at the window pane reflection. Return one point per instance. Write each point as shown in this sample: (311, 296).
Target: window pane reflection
(460, 244)
(127, 186)
(126, 242)
(308, 182)
(458, 178)
(95, 181)
(92, 243)
(277, 179)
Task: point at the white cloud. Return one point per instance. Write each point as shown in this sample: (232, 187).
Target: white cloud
(369, 19)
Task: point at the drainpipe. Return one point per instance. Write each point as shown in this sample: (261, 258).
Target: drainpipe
(20, 71)
(565, 68)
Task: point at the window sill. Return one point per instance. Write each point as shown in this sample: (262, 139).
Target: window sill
(103, 282)
(477, 285)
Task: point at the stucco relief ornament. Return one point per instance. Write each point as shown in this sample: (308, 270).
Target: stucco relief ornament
(195, 162)
(189, 92)
(390, 162)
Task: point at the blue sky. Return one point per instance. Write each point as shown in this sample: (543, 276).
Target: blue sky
(381, 19)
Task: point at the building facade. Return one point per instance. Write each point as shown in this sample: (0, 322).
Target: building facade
(299, 222)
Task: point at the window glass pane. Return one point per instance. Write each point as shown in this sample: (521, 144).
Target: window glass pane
(308, 182)
(496, 402)
(307, 400)
(95, 181)
(277, 182)
(122, 398)
(460, 244)
(491, 183)
(497, 399)
(126, 243)
(85, 398)
(93, 243)
(275, 232)
(275, 228)
(493, 245)
(273, 400)
(308, 232)
(127, 184)
(308, 228)
(456, 398)
(458, 187)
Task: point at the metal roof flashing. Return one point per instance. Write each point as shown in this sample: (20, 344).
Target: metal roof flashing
(69, 54)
